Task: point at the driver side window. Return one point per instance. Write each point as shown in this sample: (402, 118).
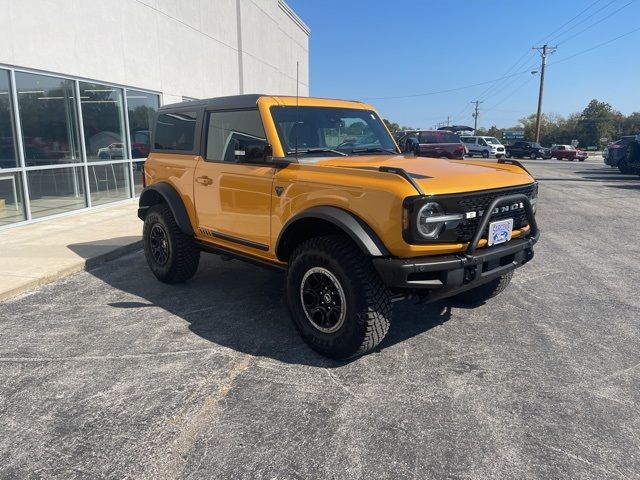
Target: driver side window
(234, 136)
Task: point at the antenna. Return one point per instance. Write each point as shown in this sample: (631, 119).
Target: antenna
(297, 104)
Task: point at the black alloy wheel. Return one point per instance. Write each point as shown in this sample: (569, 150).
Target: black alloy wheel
(323, 300)
(159, 244)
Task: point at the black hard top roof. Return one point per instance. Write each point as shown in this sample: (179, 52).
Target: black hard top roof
(233, 101)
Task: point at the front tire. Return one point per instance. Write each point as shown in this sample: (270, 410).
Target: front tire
(479, 295)
(171, 254)
(336, 298)
(485, 154)
(533, 156)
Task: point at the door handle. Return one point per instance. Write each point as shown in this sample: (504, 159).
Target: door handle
(204, 180)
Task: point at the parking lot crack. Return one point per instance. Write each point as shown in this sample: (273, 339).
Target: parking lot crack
(172, 462)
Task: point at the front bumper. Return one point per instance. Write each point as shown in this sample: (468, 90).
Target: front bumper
(444, 276)
(448, 275)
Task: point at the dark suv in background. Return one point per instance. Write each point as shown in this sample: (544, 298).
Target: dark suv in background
(617, 153)
(433, 143)
(530, 150)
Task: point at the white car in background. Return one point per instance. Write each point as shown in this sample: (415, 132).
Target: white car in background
(110, 152)
(483, 146)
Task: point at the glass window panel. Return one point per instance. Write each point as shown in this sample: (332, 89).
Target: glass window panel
(8, 155)
(48, 118)
(175, 131)
(54, 191)
(234, 131)
(103, 122)
(11, 206)
(138, 170)
(141, 108)
(109, 183)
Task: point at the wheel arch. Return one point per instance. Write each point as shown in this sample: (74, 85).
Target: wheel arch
(164, 193)
(318, 221)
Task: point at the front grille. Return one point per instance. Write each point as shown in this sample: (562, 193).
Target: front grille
(474, 203)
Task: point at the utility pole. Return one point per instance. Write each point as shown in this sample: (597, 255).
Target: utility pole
(448, 120)
(475, 115)
(544, 51)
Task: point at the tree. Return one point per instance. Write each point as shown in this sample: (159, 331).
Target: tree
(598, 120)
(393, 127)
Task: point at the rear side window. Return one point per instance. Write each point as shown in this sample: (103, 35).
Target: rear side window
(439, 137)
(233, 135)
(175, 131)
(468, 140)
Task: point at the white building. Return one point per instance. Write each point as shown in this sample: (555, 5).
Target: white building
(78, 80)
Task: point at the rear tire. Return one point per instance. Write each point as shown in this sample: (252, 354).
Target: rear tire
(624, 168)
(479, 295)
(171, 254)
(336, 298)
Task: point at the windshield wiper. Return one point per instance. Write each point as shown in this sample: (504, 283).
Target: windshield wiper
(317, 150)
(373, 150)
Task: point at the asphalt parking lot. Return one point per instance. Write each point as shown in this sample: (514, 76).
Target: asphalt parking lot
(110, 373)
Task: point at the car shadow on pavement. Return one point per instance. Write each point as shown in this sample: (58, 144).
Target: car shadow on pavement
(241, 307)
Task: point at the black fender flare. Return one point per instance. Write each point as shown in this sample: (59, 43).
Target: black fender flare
(171, 197)
(353, 226)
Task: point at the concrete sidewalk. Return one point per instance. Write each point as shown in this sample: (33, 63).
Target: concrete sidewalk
(42, 252)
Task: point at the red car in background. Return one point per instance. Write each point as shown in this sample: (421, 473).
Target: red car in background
(568, 152)
(432, 143)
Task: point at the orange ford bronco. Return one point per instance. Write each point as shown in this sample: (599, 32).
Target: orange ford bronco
(319, 189)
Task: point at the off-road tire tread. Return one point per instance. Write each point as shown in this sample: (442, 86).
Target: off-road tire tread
(484, 292)
(377, 317)
(188, 256)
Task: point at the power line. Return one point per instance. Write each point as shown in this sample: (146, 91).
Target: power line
(564, 32)
(510, 94)
(549, 37)
(437, 92)
(595, 23)
(528, 54)
(595, 46)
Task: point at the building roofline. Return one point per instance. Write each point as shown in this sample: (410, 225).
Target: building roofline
(293, 16)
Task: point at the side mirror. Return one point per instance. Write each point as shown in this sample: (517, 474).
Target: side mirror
(258, 152)
(411, 145)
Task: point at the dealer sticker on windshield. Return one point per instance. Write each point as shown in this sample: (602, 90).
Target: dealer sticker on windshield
(500, 232)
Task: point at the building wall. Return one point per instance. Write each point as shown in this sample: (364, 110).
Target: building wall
(81, 79)
(181, 48)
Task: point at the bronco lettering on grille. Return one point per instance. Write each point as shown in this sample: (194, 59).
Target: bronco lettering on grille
(503, 209)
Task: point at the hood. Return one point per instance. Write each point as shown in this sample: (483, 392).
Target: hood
(440, 176)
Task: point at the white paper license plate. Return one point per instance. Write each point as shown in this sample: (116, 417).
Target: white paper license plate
(500, 232)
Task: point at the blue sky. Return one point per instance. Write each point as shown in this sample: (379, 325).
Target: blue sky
(363, 49)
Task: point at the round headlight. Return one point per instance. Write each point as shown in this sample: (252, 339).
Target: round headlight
(427, 227)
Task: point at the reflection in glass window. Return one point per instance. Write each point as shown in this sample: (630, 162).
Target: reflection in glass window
(11, 206)
(8, 157)
(56, 190)
(103, 122)
(109, 182)
(175, 131)
(49, 119)
(232, 136)
(138, 171)
(141, 108)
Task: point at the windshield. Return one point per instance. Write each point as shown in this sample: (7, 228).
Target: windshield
(329, 130)
(536, 145)
(492, 141)
(439, 137)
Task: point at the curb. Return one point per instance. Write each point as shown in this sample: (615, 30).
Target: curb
(82, 265)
